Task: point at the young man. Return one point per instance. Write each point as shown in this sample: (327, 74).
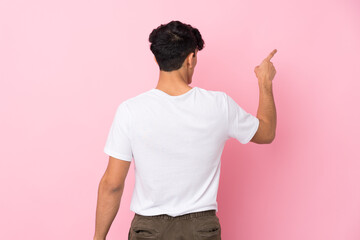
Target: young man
(175, 135)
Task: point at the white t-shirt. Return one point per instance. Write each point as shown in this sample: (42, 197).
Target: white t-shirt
(176, 144)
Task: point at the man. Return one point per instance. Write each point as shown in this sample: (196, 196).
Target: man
(175, 134)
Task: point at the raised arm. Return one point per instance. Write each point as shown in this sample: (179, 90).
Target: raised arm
(266, 113)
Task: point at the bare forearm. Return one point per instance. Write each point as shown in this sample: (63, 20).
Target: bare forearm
(108, 203)
(266, 110)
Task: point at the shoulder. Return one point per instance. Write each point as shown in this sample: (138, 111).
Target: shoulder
(219, 95)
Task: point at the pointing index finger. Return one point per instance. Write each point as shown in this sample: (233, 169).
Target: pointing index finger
(271, 55)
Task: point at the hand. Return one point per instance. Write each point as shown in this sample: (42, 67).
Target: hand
(266, 71)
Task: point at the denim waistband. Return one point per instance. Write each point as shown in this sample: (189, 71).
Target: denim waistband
(185, 216)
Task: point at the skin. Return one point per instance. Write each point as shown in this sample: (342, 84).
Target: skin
(266, 113)
(110, 191)
(175, 83)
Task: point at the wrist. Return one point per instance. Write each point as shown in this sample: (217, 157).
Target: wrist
(265, 84)
(99, 238)
(264, 80)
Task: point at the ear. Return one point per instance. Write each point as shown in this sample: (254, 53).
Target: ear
(190, 60)
(155, 60)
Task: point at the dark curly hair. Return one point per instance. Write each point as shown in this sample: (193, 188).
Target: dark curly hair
(171, 43)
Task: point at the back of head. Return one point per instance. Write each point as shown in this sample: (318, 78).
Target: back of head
(171, 43)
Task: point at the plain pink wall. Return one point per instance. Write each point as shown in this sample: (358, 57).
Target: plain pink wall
(66, 65)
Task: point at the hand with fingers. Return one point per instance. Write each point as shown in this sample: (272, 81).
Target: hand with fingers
(266, 70)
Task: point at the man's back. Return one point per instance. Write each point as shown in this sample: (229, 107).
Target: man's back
(176, 143)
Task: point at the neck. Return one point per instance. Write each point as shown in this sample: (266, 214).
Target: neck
(174, 80)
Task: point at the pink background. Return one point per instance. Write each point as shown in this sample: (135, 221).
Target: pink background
(66, 65)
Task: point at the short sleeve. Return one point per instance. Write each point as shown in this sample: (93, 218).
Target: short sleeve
(241, 124)
(118, 142)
